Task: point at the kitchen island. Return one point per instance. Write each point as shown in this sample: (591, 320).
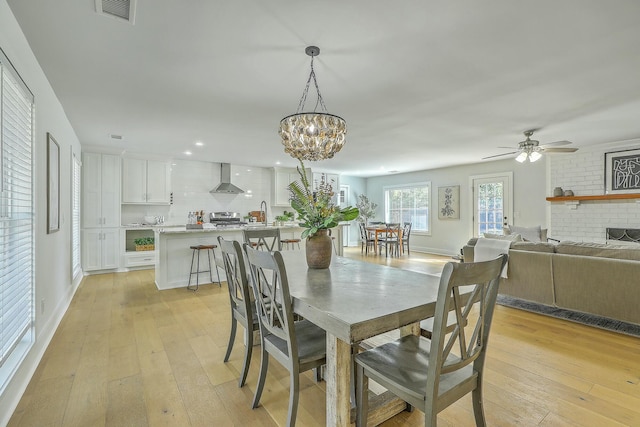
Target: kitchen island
(173, 262)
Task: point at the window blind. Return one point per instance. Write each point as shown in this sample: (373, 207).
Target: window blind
(16, 215)
(75, 218)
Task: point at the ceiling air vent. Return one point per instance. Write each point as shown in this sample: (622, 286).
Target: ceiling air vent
(120, 9)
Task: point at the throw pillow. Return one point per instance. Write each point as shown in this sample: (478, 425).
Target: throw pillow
(529, 234)
(511, 237)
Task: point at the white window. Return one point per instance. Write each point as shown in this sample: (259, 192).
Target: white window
(409, 203)
(16, 220)
(75, 217)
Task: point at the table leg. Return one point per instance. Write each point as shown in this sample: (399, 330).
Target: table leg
(338, 376)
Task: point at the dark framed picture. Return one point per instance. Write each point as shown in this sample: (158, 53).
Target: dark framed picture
(53, 185)
(622, 172)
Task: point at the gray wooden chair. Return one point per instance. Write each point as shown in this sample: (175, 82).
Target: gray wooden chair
(242, 310)
(432, 374)
(406, 234)
(298, 346)
(268, 239)
(391, 240)
(366, 240)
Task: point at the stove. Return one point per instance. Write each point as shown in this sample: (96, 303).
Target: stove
(226, 219)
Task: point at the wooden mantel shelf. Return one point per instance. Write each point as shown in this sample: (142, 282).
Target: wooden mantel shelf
(596, 197)
(573, 201)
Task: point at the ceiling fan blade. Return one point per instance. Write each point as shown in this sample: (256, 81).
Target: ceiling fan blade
(559, 150)
(500, 155)
(556, 144)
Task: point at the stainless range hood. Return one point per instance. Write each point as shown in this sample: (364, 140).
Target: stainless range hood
(225, 185)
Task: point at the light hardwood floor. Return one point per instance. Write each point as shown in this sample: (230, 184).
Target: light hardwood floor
(127, 354)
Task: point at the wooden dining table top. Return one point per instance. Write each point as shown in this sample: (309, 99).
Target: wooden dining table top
(352, 301)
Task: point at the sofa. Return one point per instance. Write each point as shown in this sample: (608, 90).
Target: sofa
(593, 278)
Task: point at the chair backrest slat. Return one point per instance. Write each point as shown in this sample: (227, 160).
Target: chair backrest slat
(268, 239)
(237, 279)
(271, 291)
(474, 310)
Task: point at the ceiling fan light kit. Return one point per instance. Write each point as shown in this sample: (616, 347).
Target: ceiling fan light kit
(312, 135)
(532, 150)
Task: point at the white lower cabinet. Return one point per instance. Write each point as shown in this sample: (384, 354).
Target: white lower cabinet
(100, 248)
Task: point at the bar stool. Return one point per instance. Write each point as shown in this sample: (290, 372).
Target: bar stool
(198, 248)
(291, 242)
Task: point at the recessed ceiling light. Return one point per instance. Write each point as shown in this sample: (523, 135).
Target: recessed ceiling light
(199, 144)
(277, 163)
(188, 153)
(114, 136)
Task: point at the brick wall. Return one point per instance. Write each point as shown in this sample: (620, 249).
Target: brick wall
(583, 172)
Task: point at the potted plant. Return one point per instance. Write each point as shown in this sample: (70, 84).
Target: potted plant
(144, 243)
(367, 209)
(317, 214)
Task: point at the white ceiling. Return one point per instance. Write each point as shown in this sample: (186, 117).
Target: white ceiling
(421, 84)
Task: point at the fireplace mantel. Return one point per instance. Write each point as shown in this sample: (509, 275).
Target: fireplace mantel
(574, 201)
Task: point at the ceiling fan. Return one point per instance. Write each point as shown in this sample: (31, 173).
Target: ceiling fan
(531, 149)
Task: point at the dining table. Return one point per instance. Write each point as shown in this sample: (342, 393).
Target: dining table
(354, 300)
(376, 230)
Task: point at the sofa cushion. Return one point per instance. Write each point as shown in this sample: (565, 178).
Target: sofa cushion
(534, 247)
(529, 234)
(599, 250)
(512, 237)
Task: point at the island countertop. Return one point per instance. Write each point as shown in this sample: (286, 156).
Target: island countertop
(174, 256)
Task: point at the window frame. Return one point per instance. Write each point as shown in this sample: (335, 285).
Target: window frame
(413, 185)
(17, 219)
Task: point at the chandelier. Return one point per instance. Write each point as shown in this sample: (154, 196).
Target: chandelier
(312, 135)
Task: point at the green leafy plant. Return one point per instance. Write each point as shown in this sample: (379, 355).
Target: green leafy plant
(366, 207)
(144, 241)
(316, 210)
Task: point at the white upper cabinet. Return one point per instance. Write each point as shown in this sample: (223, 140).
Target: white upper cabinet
(100, 190)
(146, 182)
(282, 177)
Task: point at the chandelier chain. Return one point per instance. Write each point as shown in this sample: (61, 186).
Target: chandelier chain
(303, 99)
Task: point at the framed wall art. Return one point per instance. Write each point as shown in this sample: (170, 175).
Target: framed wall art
(449, 202)
(622, 172)
(53, 185)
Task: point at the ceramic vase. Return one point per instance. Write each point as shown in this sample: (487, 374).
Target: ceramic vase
(319, 250)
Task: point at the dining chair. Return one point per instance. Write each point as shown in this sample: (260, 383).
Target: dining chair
(242, 310)
(366, 240)
(406, 234)
(268, 239)
(390, 238)
(431, 374)
(298, 346)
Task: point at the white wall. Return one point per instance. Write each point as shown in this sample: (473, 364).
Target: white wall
(53, 282)
(583, 173)
(447, 237)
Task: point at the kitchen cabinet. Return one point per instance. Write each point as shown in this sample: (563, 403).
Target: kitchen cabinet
(132, 258)
(100, 190)
(282, 177)
(146, 182)
(100, 248)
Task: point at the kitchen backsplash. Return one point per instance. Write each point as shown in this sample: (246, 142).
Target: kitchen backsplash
(191, 183)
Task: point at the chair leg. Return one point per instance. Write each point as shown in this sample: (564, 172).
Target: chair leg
(247, 357)
(264, 364)
(362, 398)
(232, 337)
(478, 407)
(193, 254)
(294, 393)
(215, 265)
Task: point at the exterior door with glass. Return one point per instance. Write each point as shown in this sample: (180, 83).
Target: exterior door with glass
(492, 203)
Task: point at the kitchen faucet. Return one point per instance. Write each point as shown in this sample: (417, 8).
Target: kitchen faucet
(263, 203)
